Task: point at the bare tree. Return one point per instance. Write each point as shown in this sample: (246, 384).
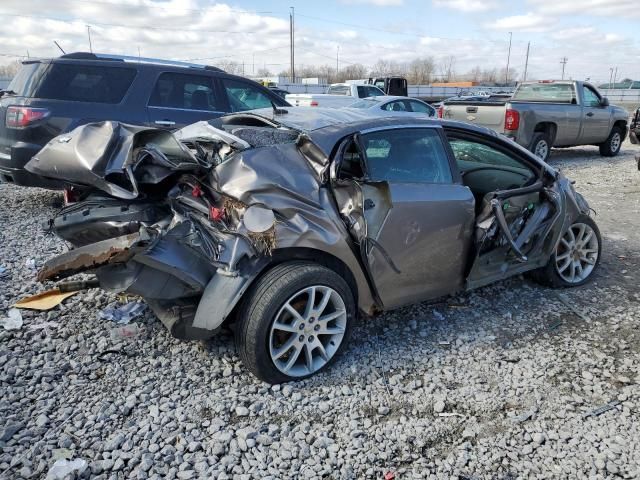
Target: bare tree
(264, 72)
(231, 66)
(420, 71)
(447, 68)
(352, 72)
(9, 70)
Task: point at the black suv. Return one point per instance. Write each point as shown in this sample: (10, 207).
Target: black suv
(50, 97)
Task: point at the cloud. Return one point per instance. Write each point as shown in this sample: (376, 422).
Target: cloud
(467, 5)
(377, 3)
(611, 8)
(529, 22)
(572, 33)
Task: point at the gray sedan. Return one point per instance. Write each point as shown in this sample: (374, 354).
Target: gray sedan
(393, 105)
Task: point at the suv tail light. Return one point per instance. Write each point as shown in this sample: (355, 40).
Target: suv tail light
(20, 117)
(511, 120)
(441, 111)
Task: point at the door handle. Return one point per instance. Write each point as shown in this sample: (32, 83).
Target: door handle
(590, 114)
(165, 123)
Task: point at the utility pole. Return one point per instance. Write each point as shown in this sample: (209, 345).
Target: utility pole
(526, 62)
(615, 77)
(89, 35)
(506, 75)
(337, 62)
(610, 78)
(253, 64)
(292, 43)
(564, 63)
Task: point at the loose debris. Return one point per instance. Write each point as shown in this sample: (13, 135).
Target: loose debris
(13, 320)
(124, 314)
(602, 409)
(45, 300)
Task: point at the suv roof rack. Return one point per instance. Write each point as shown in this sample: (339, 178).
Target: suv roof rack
(131, 59)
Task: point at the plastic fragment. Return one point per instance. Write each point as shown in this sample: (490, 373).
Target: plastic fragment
(13, 320)
(63, 467)
(450, 414)
(389, 476)
(30, 263)
(3, 272)
(600, 410)
(125, 332)
(124, 314)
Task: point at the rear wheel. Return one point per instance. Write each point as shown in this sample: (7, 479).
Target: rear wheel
(294, 322)
(541, 146)
(576, 257)
(611, 146)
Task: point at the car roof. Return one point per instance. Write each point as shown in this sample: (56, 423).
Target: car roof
(327, 126)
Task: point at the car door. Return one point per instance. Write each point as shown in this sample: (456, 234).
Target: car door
(515, 212)
(180, 99)
(596, 118)
(403, 202)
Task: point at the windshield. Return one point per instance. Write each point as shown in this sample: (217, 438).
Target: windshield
(365, 103)
(545, 92)
(27, 79)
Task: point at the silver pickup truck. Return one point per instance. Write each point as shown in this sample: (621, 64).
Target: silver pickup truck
(549, 113)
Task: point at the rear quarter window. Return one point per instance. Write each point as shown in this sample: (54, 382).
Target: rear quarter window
(86, 83)
(546, 92)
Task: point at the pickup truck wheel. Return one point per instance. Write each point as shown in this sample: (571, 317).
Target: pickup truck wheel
(541, 146)
(612, 144)
(294, 321)
(576, 257)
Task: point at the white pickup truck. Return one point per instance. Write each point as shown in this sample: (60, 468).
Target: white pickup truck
(338, 95)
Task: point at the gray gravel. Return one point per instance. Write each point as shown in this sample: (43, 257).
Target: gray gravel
(497, 383)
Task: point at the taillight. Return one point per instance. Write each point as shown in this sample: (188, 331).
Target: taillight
(313, 103)
(511, 120)
(20, 117)
(441, 111)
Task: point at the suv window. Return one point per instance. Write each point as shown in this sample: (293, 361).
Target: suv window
(412, 155)
(244, 96)
(591, 99)
(179, 90)
(85, 83)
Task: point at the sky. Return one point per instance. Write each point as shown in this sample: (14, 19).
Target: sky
(594, 35)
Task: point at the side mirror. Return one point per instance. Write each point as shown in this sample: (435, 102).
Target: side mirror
(604, 102)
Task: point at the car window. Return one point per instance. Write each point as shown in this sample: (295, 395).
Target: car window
(397, 106)
(591, 99)
(412, 155)
(179, 90)
(244, 96)
(340, 90)
(85, 83)
(365, 103)
(373, 92)
(421, 107)
(546, 92)
(470, 154)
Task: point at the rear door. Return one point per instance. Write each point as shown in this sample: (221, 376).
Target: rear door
(596, 118)
(401, 196)
(179, 99)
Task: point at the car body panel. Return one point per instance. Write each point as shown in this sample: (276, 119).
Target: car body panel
(199, 252)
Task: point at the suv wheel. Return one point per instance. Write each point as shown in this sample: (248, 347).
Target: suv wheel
(294, 321)
(611, 146)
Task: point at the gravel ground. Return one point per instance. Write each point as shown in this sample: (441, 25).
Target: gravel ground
(491, 384)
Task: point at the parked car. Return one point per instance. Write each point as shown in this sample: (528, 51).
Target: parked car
(50, 97)
(338, 95)
(387, 105)
(545, 114)
(288, 223)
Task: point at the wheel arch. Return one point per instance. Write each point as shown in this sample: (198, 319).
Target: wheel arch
(622, 124)
(550, 129)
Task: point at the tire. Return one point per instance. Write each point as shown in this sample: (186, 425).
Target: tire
(611, 146)
(541, 146)
(553, 274)
(262, 344)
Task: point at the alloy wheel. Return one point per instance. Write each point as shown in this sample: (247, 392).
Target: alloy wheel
(616, 140)
(577, 253)
(542, 149)
(307, 330)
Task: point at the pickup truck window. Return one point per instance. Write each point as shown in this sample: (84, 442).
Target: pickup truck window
(591, 98)
(339, 90)
(546, 92)
(414, 155)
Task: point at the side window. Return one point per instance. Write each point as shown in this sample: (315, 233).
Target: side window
(470, 154)
(397, 106)
(412, 155)
(374, 92)
(86, 83)
(591, 99)
(421, 108)
(362, 92)
(244, 96)
(178, 90)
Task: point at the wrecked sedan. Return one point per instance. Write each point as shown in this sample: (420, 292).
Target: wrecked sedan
(287, 223)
